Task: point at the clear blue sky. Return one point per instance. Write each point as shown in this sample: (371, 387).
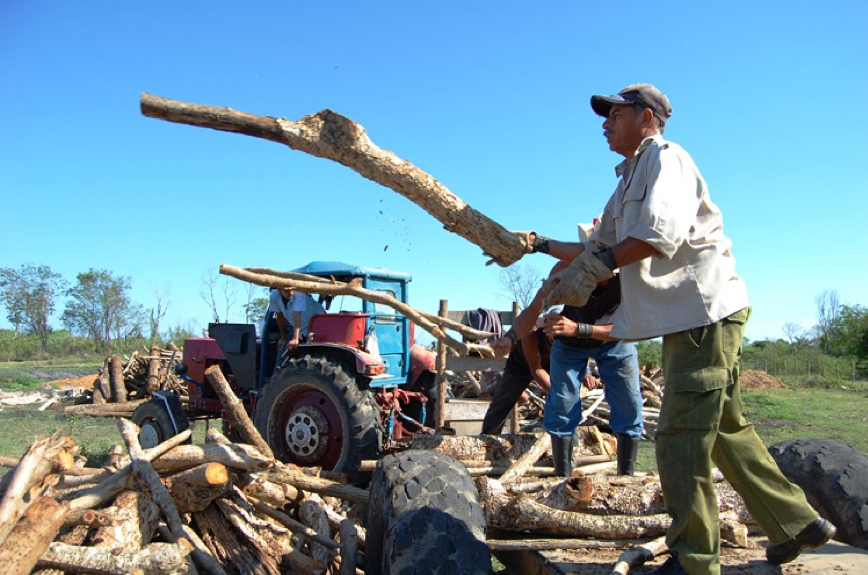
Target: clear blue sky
(491, 98)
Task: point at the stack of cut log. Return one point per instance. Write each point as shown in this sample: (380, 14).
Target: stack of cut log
(218, 507)
(128, 379)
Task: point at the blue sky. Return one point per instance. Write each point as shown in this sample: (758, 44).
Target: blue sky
(491, 98)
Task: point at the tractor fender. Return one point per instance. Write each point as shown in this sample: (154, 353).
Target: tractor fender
(346, 355)
(422, 360)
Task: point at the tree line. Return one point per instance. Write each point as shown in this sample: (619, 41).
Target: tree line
(99, 314)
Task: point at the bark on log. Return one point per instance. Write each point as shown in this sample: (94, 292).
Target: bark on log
(155, 559)
(31, 536)
(335, 521)
(87, 517)
(329, 135)
(526, 544)
(272, 280)
(267, 535)
(488, 449)
(200, 553)
(153, 381)
(119, 481)
(269, 492)
(235, 455)
(313, 515)
(136, 517)
(116, 379)
(194, 489)
(125, 409)
(293, 525)
(237, 414)
(141, 467)
(517, 469)
(348, 547)
(235, 553)
(283, 473)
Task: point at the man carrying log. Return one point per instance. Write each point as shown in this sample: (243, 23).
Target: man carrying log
(678, 281)
(581, 333)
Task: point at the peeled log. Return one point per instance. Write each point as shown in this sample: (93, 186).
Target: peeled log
(329, 135)
(194, 489)
(136, 517)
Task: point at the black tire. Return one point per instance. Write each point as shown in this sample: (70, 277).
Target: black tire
(424, 517)
(155, 424)
(312, 413)
(833, 476)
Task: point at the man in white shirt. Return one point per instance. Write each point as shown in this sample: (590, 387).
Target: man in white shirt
(293, 311)
(678, 281)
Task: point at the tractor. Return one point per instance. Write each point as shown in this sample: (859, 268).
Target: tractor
(357, 388)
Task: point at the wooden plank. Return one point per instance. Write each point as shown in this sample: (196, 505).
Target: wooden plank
(465, 409)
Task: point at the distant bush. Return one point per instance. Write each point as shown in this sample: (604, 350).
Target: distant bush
(22, 381)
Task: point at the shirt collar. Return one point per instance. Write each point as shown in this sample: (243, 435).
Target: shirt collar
(621, 168)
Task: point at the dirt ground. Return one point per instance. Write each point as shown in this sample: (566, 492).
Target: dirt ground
(831, 559)
(759, 380)
(85, 381)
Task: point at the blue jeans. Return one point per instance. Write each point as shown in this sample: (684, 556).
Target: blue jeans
(618, 364)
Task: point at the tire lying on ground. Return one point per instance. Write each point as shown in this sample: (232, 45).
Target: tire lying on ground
(834, 477)
(424, 517)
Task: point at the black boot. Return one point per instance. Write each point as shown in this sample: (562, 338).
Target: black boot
(562, 453)
(628, 449)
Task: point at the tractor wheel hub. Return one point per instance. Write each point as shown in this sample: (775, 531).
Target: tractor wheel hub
(307, 433)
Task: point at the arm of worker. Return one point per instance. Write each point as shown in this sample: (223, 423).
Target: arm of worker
(296, 329)
(534, 361)
(521, 326)
(281, 326)
(558, 325)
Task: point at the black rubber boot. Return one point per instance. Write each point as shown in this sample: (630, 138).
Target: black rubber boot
(628, 449)
(562, 453)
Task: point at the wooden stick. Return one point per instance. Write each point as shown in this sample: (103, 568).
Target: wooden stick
(116, 379)
(293, 525)
(155, 559)
(523, 463)
(637, 555)
(235, 409)
(335, 137)
(348, 547)
(283, 473)
(31, 536)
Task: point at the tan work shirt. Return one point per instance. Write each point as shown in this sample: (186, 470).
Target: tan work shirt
(663, 200)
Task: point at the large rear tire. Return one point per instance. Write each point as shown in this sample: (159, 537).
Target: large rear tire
(424, 517)
(832, 475)
(312, 413)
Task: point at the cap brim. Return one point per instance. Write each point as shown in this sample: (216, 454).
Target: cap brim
(603, 104)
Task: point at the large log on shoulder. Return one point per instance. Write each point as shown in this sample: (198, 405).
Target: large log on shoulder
(330, 135)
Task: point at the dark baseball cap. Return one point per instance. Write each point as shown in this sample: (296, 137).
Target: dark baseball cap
(644, 95)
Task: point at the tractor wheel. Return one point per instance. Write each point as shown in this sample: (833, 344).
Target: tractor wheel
(424, 517)
(832, 475)
(155, 423)
(311, 413)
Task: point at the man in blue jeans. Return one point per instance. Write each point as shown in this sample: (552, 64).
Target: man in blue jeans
(581, 333)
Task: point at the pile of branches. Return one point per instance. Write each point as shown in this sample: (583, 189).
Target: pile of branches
(132, 378)
(218, 508)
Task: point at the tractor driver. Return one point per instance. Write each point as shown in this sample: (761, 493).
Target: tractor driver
(293, 311)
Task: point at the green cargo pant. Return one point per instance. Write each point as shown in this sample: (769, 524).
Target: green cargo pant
(700, 422)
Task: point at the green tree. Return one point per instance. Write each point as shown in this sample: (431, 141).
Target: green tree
(849, 333)
(100, 309)
(29, 295)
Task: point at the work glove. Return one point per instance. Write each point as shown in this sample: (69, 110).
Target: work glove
(526, 239)
(573, 286)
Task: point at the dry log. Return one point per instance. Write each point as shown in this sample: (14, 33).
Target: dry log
(116, 379)
(313, 515)
(155, 559)
(488, 449)
(637, 555)
(200, 553)
(135, 520)
(234, 455)
(348, 535)
(105, 409)
(119, 481)
(607, 495)
(273, 280)
(284, 473)
(517, 469)
(229, 547)
(235, 409)
(257, 486)
(526, 544)
(87, 517)
(265, 534)
(25, 481)
(293, 525)
(335, 521)
(335, 137)
(30, 537)
(153, 381)
(194, 489)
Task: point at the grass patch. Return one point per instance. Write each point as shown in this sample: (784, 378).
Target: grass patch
(45, 370)
(803, 413)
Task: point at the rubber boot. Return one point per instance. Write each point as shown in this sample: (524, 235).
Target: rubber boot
(628, 449)
(562, 453)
